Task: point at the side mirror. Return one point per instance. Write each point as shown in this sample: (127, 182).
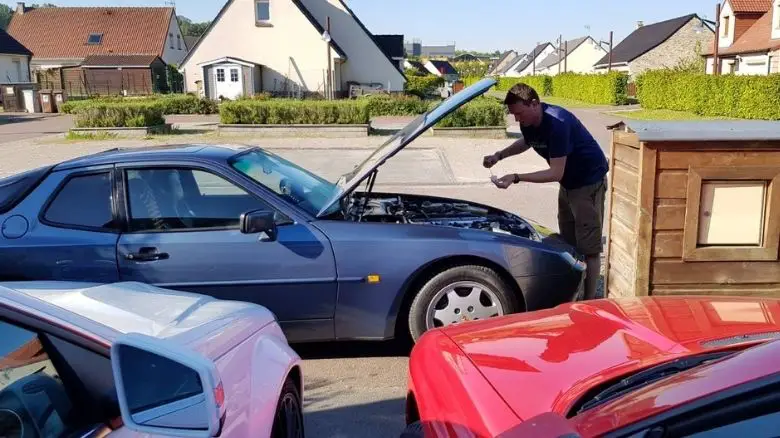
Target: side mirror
(260, 221)
(166, 389)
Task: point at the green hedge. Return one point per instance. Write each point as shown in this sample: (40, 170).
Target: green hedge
(170, 103)
(385, 105)
(118, 115)
(482, 111)
(744, 97)
(294, 112)
(604, 89)
(422, 86)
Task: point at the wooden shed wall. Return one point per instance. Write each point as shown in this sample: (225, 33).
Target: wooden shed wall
(670, 273)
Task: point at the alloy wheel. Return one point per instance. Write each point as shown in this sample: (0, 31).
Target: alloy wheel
(462, 301)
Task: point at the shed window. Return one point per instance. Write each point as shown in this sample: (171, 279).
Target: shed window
(262, 10)
(233, 75)
(220, 75)
(732, 212)
(95, 38)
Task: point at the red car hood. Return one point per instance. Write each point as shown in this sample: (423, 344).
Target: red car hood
(546, 360)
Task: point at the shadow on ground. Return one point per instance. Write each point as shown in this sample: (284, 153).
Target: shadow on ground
(352, 349)
(376, 419)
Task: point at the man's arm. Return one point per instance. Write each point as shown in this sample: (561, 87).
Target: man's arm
(553, 174)
(516, 148)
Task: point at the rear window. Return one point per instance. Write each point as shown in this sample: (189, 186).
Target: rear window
(14, 188)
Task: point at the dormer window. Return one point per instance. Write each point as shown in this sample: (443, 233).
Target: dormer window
(262, 11)
(726, 26)
(95, 38)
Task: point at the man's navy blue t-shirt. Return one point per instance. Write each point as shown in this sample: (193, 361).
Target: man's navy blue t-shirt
(562, 134)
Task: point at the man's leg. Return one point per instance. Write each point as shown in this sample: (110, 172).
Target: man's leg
(587, 203)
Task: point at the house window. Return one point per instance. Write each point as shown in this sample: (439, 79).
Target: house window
(178, 41)
(18, 67)
(262, 11)
(95, 38)
(220, 75)
(726, 26)
(170, 38)
(233, 75)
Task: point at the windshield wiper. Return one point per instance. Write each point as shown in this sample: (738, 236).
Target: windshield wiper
(649, 376)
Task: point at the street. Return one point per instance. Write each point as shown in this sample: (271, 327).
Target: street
(352, 388)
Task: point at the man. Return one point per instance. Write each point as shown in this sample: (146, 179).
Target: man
(576, 162)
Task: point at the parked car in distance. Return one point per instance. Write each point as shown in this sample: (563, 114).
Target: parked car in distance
(130, 359)
(641, 367)
(331, 262)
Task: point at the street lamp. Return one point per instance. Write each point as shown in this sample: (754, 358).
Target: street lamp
(326, 37)
(609, 66)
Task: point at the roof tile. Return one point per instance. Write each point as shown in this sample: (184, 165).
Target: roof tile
(63, 32)
(750, 5)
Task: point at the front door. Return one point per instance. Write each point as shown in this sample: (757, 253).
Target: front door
(183, 233)
(229, 81)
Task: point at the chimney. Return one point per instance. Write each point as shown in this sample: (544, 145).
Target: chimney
(639, 24)
(20, 8)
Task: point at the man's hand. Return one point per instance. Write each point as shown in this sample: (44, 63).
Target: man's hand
(490, 160)
(505, 181)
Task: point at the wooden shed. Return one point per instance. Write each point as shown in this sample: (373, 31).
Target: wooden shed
(694, 209)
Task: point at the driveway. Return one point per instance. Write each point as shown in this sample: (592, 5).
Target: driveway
(24, 126)
(357, 389)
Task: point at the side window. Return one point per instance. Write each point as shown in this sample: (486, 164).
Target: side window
(84, 201)
(170, 199)
(32, 395)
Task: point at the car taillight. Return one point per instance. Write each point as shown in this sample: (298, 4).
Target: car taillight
(219, 395)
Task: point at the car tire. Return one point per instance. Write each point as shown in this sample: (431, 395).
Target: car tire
(289, 403)
(413, 430)
(465, 276)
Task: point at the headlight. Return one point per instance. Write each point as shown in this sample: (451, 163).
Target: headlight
(578, 264)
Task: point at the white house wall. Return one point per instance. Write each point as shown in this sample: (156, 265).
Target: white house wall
(8, 73)
(776, 20)
(539, 58)
(757, 64)
(582, 59)
(726, 39)
(366, 63)
(174, 55)
(290, 49)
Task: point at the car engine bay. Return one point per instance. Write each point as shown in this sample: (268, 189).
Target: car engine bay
(426, 210)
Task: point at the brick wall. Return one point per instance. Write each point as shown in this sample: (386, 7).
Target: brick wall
(680, 46)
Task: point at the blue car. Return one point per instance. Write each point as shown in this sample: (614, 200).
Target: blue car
(330, 260)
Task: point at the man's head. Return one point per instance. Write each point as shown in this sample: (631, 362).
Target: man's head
(522, 101)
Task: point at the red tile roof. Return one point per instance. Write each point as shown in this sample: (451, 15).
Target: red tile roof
(758, 38)
(750, 5)
(63, 32)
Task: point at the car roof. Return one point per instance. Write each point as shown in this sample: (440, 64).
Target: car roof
(197, 152)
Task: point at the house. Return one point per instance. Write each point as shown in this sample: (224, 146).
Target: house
(415, 67)
(528, 63)
(467, 57)
(579, 57)
(100, 50)
(393, 47)
(497, 67)
(14, 60)
(659, 45)
(442, 69)
(281, 47)
(749, 40)
(14, 73)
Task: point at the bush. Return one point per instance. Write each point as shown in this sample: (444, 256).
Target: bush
(294, 112)
(597, 88)
(170, 103)
(118, 115)
(482, 111)
(386, 105)
(744, 97)
(471, 68)
(422, 86)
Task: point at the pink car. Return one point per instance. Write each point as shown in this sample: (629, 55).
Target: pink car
(129, 359)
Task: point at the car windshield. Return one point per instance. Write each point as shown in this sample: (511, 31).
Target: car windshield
(291, 182)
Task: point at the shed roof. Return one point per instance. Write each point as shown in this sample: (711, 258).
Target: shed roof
(9, 45)
(705, 130)
(63, 32)
(645, 39)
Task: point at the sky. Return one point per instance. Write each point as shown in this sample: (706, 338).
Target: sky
(484, 25)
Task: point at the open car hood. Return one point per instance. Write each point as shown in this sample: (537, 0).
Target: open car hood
(347, 182)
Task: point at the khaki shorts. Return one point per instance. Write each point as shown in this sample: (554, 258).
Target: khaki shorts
(581, 217)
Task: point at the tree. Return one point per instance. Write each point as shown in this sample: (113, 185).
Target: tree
(5, 15)
(188, 28)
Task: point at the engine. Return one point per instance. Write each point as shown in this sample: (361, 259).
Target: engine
(410, 209)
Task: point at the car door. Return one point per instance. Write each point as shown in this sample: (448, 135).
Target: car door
(183, 233)
(64, 230)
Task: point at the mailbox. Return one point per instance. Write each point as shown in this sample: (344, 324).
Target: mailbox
(694, 209)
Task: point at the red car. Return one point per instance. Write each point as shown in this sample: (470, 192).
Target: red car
(639, 367)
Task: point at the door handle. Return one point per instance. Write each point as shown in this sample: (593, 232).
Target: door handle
(147, 254)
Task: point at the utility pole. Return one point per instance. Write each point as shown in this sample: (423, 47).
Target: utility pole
(328, 81)
(715, 60)
(560, 42)
(330, 77)
(565, 56)
(609, 69)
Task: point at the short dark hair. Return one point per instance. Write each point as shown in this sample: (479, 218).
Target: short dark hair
(522, 93)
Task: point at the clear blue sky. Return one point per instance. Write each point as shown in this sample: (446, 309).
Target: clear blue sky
(476, 25)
